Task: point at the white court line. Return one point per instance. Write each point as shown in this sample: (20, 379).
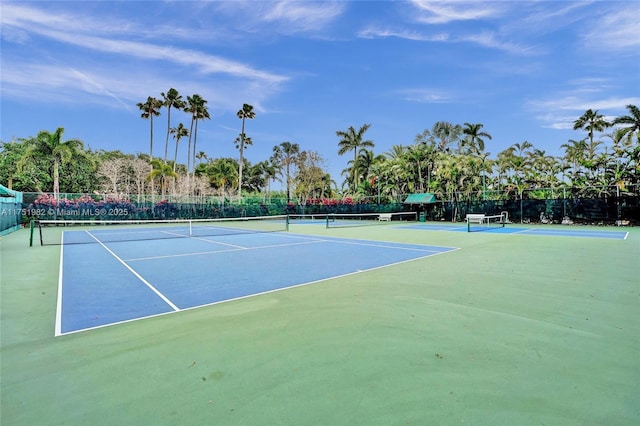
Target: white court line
(382, 245)
(218, 242)
(204, 239)
(201, 253)
(313, 241)
(58, 326)
(538, 232)
(145, 282)
(358, 241)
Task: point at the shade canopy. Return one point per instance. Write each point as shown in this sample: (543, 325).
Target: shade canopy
(425, 198)
(6, 192)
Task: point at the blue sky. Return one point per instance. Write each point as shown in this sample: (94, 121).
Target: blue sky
(525, 70)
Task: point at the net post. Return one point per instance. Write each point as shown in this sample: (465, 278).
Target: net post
(327, 221)
(468, 224)
(31, 226)
(190, 228)
(286, 226)
(40, 232)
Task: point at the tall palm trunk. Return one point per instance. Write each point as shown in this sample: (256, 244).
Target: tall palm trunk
(241, 161)
(56, 178)
(166, 143)
(195, 137)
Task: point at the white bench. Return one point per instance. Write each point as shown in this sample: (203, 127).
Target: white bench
(384, 217)
(475, 217)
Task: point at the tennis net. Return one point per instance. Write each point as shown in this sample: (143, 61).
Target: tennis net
(481, 222)
(336, 220)
(52, 232)
(308, 219)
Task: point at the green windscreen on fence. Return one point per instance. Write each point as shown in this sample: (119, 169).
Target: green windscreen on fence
(426, 198)
(10, 210)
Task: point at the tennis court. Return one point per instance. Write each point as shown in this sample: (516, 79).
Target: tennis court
(115, 275)
(354, 325)
(524, 230)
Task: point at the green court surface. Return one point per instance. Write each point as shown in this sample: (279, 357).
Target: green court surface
(511, 329)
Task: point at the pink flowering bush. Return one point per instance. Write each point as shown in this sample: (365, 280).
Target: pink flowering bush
(83, 207)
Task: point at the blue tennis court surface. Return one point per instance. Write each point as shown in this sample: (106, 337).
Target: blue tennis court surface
(104, 283)
(519, 229)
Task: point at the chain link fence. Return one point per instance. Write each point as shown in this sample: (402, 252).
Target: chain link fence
(613, 205)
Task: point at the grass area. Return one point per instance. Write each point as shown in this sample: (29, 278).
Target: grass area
(511, 329)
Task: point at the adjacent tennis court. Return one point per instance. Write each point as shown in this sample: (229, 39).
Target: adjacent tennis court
(543, 230)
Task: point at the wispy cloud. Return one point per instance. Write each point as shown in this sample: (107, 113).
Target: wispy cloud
(372, 32)
(303, 16)
(581, 104)
(202, 62)
(537, 18)
(615, 30)
(560, 110)
(121, 88)
(486, 39)
(141, 65)
(265, 18)
(442, 12)
(424, 16)
(47, 25)
(63, 82)
(492, 40)
(425, 95)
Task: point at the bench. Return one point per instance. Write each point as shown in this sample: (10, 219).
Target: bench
(475, 217)
(384, 217)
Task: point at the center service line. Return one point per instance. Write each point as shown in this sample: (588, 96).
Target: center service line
(155, 290)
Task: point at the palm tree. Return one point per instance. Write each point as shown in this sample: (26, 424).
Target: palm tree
(163, 171)
(592, 122)
(197, 107)
(284, 156)
(327, 186)
(446, 133)
(201, 156)
(573, 154)
(543, 169)
(222, 173)
(178, 133)
(396, 151)
(632, 120)
(269, 169)
(49, 146)
(242, 142)
(418, 154)
(150, 108)
(620, 161)
(352, 140)
(475, 138)
(399, 175)
(10, 155)
(202, 113)
(245, 113)
(171, 99)
(520, 163)
(364, 162)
